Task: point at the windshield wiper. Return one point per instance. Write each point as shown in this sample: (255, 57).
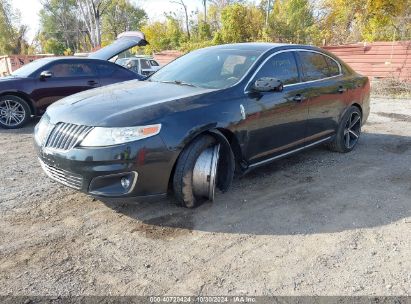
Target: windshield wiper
(179, 82)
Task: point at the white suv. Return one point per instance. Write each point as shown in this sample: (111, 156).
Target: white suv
(141, 65)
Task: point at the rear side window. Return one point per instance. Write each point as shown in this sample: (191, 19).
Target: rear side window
(281, 66)
(314, 66)
(105, 70)
(333, 67)
(71, 70)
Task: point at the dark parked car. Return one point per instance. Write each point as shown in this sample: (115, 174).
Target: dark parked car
(201, 118)
(33, 87)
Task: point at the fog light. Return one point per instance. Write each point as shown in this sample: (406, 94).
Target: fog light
(125, 182)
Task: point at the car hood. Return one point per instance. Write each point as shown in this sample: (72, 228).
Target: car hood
(128, 103)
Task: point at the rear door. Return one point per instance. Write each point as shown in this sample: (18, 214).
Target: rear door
(326, 93)
(68, 77)
(276, 120)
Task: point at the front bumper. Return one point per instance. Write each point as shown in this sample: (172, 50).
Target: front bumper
(146, 164)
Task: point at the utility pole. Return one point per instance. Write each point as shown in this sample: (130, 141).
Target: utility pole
(205, 10)
(267, 13)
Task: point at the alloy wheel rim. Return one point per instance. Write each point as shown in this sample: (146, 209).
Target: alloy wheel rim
(12, 113)
(352, 130)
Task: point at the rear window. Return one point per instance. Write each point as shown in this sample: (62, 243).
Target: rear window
(105, 70)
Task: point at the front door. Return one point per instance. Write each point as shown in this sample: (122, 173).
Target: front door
(276, 121)
(67, 78)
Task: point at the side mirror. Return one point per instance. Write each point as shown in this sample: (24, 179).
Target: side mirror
(268, 84)
(46, 74)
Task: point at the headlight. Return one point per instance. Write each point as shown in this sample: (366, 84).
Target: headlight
(100, 137)
(42, 130)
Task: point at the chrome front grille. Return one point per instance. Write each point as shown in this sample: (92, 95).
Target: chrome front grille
(62, 176)
(65, 136)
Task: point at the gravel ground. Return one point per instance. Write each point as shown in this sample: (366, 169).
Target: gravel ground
(318, 223)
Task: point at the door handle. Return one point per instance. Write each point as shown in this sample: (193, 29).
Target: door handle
(341, 89)
(298, 98)
(92, 82)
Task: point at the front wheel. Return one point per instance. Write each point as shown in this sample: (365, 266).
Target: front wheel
(348, 132)
(195, 174)
(14, 112)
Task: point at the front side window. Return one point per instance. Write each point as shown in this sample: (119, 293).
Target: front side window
(61, 70)
(31, 68)
(314, 66)
(214, 68)
(154, 63)
(281, 66)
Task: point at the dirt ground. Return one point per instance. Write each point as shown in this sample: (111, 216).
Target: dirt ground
(318, 223)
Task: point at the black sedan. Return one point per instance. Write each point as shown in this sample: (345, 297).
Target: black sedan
(208, 114)
(33, 87)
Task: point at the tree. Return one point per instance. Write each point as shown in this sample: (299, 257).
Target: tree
(181, 2)
(385, 19)
(60, 27)
(241, 23)
(346, 21)
(204, 2)
(122, 16)
(166, 35)
(7, 30)
(92, 12)
(291, 21)
(11, 31)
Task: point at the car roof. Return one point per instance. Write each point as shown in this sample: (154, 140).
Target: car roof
(50, 59)
(263, 46)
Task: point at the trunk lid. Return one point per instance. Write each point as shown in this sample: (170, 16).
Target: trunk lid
(123, 42)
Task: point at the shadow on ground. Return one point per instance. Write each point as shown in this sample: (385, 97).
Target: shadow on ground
(313, 192)
(27, 129)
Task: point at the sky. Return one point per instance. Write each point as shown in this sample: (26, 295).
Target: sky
(155, 9)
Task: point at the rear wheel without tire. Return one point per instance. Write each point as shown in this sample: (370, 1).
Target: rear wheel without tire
(195, 174)
(14, 112)
(348, 131)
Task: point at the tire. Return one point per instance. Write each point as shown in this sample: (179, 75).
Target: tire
(349, 131)
(14, 112)
(183, 184)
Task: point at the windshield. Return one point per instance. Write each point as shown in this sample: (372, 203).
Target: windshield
(28, 69)
(212, 68)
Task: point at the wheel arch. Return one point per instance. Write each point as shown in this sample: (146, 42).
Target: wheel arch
(353, 104)
(357, 104)
(23, 96)
(230, 148)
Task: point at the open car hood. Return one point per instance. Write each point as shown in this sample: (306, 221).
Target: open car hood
(123, 42)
